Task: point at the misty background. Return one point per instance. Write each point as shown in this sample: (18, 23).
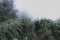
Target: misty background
(39, 8)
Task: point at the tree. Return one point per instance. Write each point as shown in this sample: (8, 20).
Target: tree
(6, 10)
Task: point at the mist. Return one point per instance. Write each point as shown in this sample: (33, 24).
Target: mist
(39, 8)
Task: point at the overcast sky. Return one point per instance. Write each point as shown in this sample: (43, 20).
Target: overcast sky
(40, 8)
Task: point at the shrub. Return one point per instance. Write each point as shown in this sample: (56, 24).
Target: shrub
(20, 29)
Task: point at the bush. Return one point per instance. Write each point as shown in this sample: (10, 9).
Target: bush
(45, 29)
(20, 29)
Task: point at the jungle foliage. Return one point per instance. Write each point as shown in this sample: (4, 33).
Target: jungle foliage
(12, 28)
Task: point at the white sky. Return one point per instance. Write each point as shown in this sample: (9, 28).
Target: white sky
(40, 8)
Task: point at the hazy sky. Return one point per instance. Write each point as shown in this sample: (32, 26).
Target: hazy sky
(40, 8)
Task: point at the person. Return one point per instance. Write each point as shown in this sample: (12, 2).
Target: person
(36, 28)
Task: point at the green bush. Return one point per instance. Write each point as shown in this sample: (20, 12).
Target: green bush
(47, 29)
(20, 29)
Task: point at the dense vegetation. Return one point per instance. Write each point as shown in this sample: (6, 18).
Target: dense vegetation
(13, 28)
(47, 30)
(20, 29)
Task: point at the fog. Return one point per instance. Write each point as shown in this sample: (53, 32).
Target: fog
(39, 8)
